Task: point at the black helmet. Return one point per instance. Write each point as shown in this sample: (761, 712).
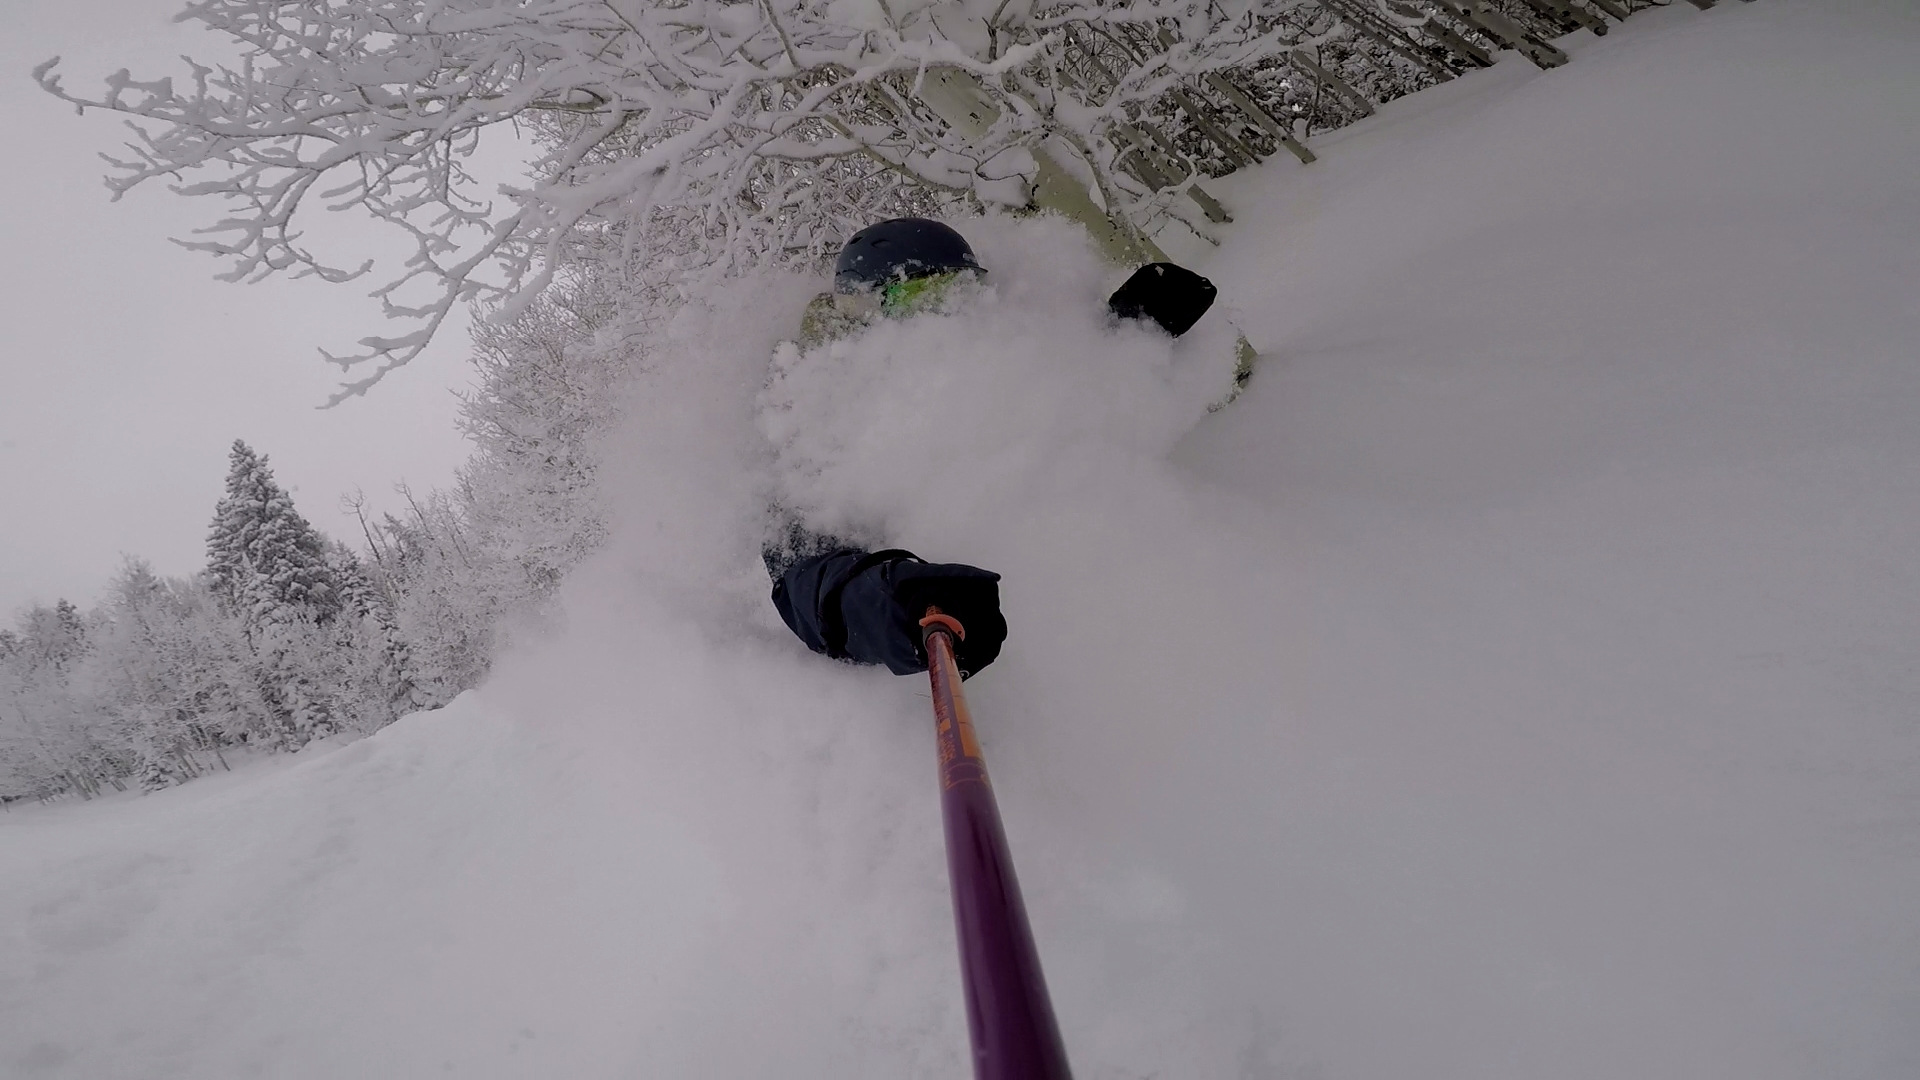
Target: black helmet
(900, 249)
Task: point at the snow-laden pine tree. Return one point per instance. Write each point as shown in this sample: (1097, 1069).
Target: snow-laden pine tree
(269, 566)
(263, 557)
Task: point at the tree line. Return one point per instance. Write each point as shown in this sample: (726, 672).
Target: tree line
(287, 636)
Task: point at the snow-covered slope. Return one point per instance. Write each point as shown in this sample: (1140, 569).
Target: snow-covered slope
(1519, 681)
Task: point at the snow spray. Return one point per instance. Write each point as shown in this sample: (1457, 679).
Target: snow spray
(1009, 1016)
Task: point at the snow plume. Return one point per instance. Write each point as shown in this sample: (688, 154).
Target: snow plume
(955, 428)
(1020, 431)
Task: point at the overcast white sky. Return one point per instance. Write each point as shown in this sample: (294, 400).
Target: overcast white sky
(127, 370)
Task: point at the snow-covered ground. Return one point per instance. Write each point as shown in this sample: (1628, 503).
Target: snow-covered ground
(1520, 681)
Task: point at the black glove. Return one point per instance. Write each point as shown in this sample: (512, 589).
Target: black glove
(1170, 295)
(866, 608)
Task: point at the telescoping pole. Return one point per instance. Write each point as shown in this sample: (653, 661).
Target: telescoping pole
(1009, 1015)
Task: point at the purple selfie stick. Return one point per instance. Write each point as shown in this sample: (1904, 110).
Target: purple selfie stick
(1009, 1014)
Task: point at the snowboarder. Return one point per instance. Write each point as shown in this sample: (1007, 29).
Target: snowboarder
(865, 606)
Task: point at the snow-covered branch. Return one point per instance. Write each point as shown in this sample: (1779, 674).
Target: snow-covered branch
(758, 130)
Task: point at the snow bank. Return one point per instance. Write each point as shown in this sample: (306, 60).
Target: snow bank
(1517, 682)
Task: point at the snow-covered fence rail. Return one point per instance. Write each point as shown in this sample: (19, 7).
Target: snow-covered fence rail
(702, 137)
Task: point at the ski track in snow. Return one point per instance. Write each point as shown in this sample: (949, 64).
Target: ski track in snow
(1518, 681)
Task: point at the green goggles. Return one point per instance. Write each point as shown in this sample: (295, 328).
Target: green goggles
(899, 299)
(915, 295)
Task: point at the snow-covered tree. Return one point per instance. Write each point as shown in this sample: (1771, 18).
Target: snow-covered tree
(468, 568)
(138, 688)
(384, 670)
(550, 384)
(171, 675)
(722, 134)
(445, 606)
(269, 566)
(262, 556)
(285, 639)
(47, 745)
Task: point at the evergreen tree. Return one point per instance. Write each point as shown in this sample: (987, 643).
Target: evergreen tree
(269, 565)
(262, 556)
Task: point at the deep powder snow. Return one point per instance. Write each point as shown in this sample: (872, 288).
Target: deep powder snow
(1518, 682)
